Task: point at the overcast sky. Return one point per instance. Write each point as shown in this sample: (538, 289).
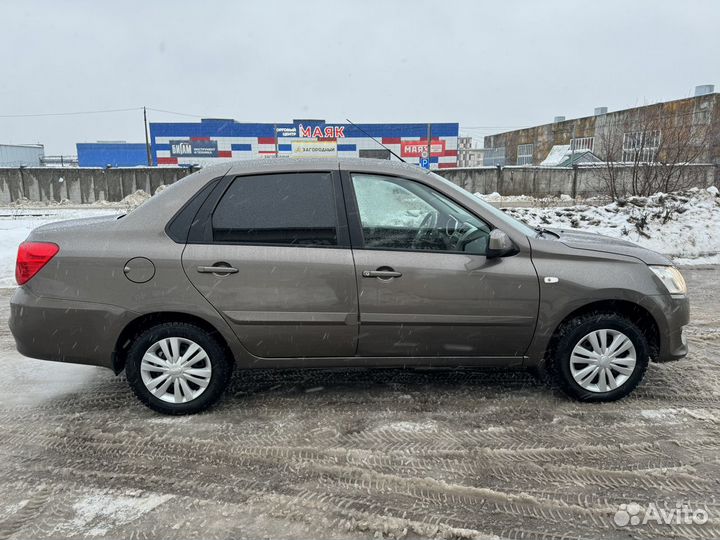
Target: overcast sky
(491, 66)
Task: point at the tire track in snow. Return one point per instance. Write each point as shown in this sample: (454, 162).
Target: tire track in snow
(393, 453)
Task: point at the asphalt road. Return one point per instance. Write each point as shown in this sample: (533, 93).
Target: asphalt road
(364, 453)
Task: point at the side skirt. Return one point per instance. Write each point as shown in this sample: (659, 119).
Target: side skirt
(390, 362)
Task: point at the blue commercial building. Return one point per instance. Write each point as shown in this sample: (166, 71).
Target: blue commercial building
(215, 140)
(112, 154)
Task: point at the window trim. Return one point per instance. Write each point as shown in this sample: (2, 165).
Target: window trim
(355, 224)
(201, 230)
(199, 197)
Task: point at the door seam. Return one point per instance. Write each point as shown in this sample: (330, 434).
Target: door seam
(352, 254)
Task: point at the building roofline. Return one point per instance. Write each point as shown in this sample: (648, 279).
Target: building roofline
(716, 94)
(29, 145)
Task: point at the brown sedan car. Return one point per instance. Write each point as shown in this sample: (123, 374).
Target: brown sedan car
(320, 263)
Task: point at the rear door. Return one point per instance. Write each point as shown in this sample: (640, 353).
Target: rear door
(272, 255)
(426, 288)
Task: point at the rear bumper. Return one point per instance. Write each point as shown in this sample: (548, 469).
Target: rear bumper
(672, 314)
(65, 330)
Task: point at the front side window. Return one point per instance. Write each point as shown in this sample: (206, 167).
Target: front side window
(285, 209)
(396, 213)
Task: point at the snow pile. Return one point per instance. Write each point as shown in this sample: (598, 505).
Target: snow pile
(27, 203)
(135, 199)
(684, 225)
(495, 197)
(131, 201)
(490, 197)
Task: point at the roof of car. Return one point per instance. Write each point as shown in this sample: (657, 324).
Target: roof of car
(253, 166)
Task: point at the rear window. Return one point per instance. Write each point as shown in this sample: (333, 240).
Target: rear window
(285, 209)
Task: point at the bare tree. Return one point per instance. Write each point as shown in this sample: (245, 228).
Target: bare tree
(609, 145)
(652, 149)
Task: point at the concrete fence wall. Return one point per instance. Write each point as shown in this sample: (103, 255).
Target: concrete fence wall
(87, 185)
(546, 181)
(82, 186)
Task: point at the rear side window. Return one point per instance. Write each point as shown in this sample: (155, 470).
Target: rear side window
(286, 209)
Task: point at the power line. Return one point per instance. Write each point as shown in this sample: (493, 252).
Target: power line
(493, 127)
(73, 113)
(100, 111)
(177, 113)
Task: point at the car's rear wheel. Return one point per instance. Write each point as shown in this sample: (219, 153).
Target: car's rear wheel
(600, 357)
(177, 368)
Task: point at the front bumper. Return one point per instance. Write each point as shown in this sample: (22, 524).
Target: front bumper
(65, 330)
(672, 314)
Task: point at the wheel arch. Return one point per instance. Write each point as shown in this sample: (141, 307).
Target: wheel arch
(137, 325)
(631, 310)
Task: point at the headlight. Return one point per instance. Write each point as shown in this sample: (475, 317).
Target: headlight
(671, 278)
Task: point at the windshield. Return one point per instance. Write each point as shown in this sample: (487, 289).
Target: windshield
(490, 209)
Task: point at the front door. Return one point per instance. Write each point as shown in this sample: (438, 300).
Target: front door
(278, 265)
(425, 286)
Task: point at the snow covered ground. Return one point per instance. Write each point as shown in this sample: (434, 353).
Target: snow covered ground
(684, 225)
(358, 454)
(355, 454)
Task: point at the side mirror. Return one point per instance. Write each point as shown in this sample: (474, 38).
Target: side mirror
(499, 245)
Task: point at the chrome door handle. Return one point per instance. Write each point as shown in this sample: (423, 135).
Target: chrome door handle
(217, 270)
(382, 274)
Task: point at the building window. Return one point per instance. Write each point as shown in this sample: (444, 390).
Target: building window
(582, 143)
(701, 114)
(641, 146)
(524, 154)
(494, 157)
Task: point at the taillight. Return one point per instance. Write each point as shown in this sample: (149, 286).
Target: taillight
(31, 257)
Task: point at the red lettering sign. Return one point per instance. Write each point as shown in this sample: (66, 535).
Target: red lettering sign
(326, 132)
(418, 148)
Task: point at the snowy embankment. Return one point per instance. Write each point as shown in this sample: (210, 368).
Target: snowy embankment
(684, 225)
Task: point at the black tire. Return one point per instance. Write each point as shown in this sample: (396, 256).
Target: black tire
(219, 358)
(573, 331)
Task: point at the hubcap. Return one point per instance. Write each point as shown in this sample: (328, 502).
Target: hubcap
(603, 360)
(176, 370)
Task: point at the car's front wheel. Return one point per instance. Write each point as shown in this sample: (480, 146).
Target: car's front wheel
(600, 357)
(177, 368)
